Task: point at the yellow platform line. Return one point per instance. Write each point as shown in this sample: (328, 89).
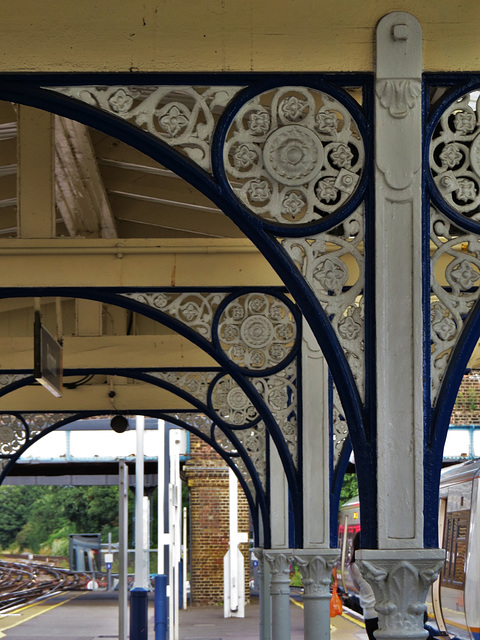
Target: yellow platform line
(41, 609)
(344, 615)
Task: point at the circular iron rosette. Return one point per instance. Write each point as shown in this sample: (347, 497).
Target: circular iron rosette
(258, 331)
(452, 155)
(14, 434)
(293, 156)
(231, 405)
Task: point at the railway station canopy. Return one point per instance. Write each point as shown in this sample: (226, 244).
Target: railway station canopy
(258, 221)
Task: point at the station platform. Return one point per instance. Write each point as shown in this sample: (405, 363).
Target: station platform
(94, 616)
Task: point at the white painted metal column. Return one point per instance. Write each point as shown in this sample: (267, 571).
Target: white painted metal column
(233, 562)
(316, 560)
(279, 556)
(161, 537)
(400, 571)
(122, 551)
(184, 557)
(140, 574)
(175, 524)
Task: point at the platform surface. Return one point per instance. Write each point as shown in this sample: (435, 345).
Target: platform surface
(94, 616)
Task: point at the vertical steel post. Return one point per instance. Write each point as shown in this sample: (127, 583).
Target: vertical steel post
(138, 614)
(140, 578)
(185, 558)
(161, 498)
(122, 549)
(161, 607)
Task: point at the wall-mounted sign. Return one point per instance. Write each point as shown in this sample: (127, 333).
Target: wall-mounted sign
(48, 364)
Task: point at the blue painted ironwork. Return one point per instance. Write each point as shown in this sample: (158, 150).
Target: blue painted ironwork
(360, 414)
(463, 228)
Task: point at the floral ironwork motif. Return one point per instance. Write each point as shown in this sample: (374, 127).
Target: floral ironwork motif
(231, 403)
(252, 439)
(14, 434)
(257, 331)
(279, 392)
(455, 279)
(297, 154)
(196, 383)
(181, 116)
(455, 156)
(340, 428)
(10, 378)
(195, 309)
(333, 266)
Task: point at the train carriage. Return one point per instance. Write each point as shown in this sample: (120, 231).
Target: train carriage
(454, 600)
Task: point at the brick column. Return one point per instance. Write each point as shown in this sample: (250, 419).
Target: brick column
(207, 476)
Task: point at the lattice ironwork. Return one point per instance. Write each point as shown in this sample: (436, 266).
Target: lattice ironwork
(340, 428)
(195, 309)
(231, 403)
(15, 432)
(251, 438)
(293, 155)
(279, 392)
(455, 251)
(10, 378)
(196, 383)
(332, 264)
(183, 117)
(257, 331)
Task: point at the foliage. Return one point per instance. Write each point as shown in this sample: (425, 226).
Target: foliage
(41, 518)
(349, 488)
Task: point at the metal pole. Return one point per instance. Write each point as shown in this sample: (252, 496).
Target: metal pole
(185, 558)
(161, 498)
(109, 571)
(122, 550)
(140, 579)
(161, 608)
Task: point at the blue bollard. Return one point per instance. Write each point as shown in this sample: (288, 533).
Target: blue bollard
(138, 614)
(161, 608)
(180, 584)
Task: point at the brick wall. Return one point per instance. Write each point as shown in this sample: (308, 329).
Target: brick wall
(207, 476)
(467, 405)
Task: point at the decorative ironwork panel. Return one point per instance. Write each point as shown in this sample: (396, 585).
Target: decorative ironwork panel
(183, 117)
(455, 156)
(279, 392)
(196, 383)
(257, 331)
(16, 432)
(340, 428)
(293, 155)
(231, 403)
(10, 378)
(251, 438)
(332, 263)
(455, 276)
(455, 251)
(193, 308)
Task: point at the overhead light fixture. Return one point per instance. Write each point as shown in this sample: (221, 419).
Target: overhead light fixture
(119, 424)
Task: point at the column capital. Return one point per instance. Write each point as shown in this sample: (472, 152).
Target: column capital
(316, 566)
(279, 561)
(400, 579)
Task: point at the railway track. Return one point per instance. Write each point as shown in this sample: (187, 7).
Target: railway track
(23, 582)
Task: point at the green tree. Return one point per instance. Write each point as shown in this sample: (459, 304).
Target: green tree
(349, 488)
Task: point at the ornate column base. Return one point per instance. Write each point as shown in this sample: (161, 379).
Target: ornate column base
(400, 579)
(279, 563)
(316, 566)
(265, 613)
